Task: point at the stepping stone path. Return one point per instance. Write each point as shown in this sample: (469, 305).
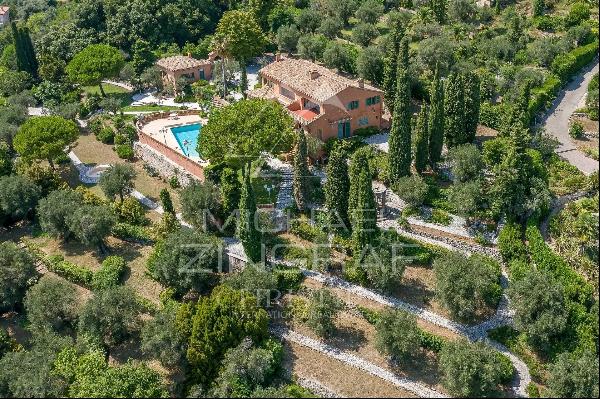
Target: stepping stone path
(285, 197)
(359, 363)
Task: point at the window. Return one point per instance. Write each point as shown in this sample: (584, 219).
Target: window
(373, 100)
(352, 105)
(364, 121)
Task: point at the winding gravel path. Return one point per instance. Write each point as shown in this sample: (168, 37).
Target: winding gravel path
(359, 363)
(556, 120)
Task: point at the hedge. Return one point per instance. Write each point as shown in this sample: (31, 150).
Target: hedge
(70, 271)
(510, 243)
(508, 370)
(304, 230)
(431, 342)
(542, 96)
(110, 273)
(566, 65)
(575, 286)
(132, 233)
(288, 279)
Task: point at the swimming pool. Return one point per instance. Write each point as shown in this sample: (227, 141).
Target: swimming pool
(187, 138)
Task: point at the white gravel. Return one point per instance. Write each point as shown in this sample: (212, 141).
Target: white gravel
(359, 363)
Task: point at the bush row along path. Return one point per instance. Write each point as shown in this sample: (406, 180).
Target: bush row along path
(360, 363)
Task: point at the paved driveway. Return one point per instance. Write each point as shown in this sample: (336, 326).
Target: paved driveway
(556, 121)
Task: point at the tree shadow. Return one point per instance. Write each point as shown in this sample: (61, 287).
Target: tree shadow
(422, 367)
(414, 291)
(347, 338)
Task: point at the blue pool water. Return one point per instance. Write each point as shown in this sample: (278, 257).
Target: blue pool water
(187, 138)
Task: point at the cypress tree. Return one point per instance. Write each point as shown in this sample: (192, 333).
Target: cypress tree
(454, 111)
(337, 188)
(400, 132)
(472, 104)
(364, 215)
(439, 10)
(244, 80)
(390, 68)
(359, 162)
(301, 172)
(230, 191)
(25, 53)
(519, 116)
(422, 141)
(247, 231)
(436, 119)
(167, 203)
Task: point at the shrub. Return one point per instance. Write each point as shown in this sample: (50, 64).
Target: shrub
(322, 310)
(486, 369)
(130, 232)
(397, 334)
(303, 229)
(288, 279)
(370, 316)
(70, 271)
(576, 288)
(365, 131)
(120, 139)
(110, 273)
(542, 96)
(431, 342)
(125, 151)
(439, 216)
(576, 130)
(510, 243)
(464, 285)
(567, 65)
(106, 135)
(412, 189)
(466, 162)
(174, 182)
(131, 211)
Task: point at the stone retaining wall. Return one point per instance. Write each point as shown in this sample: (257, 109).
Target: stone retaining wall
(166, 167)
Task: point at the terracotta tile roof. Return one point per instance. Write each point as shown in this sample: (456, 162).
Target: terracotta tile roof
(310, 79)
(4, 10)
(180, 62)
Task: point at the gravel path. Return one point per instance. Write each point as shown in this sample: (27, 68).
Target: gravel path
(359, 363)
(556, 120)
(502, 316)
(317, 388)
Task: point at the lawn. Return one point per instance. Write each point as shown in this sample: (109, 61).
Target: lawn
(111, 91)
(91, 151)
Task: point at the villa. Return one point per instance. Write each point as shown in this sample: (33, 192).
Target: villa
(322, 102)
(4, 15)
(186, 67)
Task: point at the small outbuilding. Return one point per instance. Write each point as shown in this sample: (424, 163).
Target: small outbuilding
(184, 67)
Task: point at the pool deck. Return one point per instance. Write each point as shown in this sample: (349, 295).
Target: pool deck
(160, 130)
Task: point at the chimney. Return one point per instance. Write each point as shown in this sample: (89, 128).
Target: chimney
(361, 83)
(277, 57)
(314, 74)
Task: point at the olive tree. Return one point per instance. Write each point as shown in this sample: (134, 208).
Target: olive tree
(16, 273)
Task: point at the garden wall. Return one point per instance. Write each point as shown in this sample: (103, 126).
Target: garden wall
(166, 161)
